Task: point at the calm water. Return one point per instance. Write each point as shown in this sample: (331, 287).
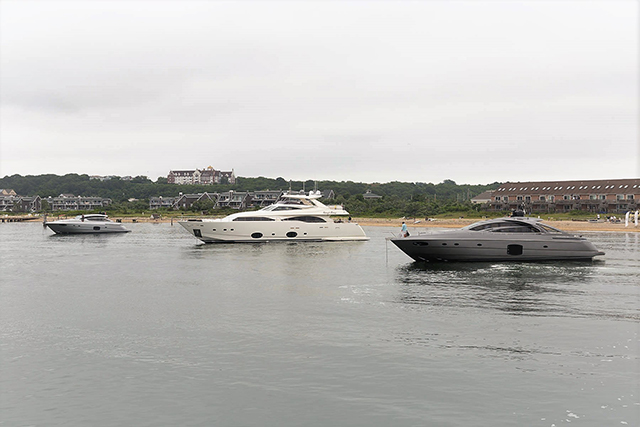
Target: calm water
(152, 328)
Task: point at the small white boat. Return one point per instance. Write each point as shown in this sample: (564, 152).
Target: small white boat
(86, 224)
(296, 217)
(501, 239)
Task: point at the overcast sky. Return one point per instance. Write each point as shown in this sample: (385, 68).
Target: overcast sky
(369, 91)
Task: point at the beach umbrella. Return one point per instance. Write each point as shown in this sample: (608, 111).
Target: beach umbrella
(636, 218)
(626, 218)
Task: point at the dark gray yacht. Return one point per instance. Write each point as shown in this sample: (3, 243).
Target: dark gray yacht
(501, 239)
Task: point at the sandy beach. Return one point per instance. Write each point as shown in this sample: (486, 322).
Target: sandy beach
(571, 226)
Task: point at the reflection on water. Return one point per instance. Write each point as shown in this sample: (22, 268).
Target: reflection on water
(531, 289)
(269, 251)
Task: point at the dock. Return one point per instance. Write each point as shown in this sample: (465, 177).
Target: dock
(19, 218)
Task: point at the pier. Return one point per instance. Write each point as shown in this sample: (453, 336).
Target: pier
(19, 218)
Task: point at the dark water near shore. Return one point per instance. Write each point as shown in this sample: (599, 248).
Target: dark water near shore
(151, 328)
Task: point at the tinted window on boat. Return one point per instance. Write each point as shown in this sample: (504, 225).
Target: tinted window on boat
(550, 229)
(506, 227)
(515, 229)
(305, 219)
(253, 218)
(285, 208)
(489, 226)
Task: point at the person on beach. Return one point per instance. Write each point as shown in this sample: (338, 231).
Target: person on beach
(404, 231)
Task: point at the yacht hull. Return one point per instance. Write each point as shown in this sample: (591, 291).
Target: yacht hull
(217, 231)
(523, 248)
(85, 228)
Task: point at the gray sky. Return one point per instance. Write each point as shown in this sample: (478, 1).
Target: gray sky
(370, 91)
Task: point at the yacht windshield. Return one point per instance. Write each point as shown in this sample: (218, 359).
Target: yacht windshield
(505, 227)
(550, 229)
(278, 207)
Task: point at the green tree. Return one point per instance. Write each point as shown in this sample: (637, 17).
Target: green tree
(203, 206)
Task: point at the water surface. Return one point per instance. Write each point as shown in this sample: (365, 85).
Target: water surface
(152, 328)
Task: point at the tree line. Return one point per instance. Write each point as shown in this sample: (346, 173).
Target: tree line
(413, 199)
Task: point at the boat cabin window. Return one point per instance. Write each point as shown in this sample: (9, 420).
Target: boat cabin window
(253, 218)
(294, 201)
(487, 226)
(515, 229)
(550, 229)
(274, 208)
(285, 208)
(505, 227)
(305, 219)
(290, 201)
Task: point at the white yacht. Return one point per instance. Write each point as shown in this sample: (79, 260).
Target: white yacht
(86, 224)
(501, 239)
(295, 217)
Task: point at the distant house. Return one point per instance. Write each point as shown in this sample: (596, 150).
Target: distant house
(185, 201)
(234, 199)
(369, 195)
(6, 203)
(182, 177)
(69, 202)
(7, 200)
(103, 178)
(264, 198)
(482, 198)
(228, 199)
(15, 203)
(205, 176)
(27, 204)
(161, 202)
(229, 177)
(209, 176)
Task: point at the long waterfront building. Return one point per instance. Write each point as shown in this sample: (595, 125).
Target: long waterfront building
(598, 196)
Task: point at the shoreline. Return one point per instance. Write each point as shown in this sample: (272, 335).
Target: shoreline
(564, 225)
